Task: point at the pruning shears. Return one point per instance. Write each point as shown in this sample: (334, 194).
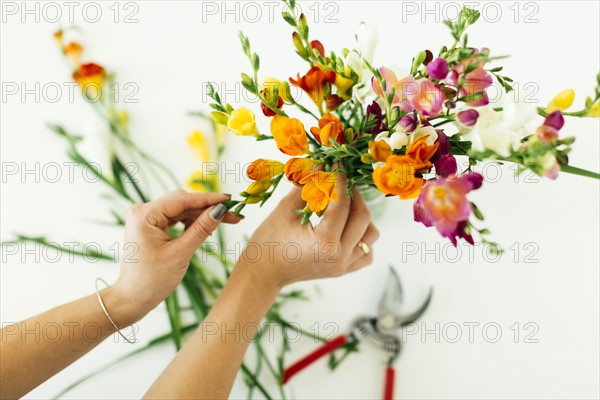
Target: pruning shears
(380, 331)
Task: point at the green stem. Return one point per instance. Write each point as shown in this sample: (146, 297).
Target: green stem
(579, 171)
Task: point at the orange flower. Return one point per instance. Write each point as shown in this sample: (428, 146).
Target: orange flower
(329, 128)
(297, 169)
(319, 189)
(398, 178)
(420, 153)
(379, 150)
(58, 36)
(290, 135)
(261, 169)
(73, 51)
(91, 78)
(317, 83)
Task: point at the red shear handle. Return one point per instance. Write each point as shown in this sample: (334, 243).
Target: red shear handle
(325, 349)
(390, 377)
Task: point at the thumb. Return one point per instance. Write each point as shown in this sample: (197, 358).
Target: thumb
(201, 228)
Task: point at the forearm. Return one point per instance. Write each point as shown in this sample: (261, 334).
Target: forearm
(207, 365)
(37, 348)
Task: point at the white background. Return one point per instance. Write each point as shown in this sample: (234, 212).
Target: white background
(176, 47)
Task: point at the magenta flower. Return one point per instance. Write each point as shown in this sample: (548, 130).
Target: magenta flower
(427, 98)
(468, 117)
(401, 88)
(555, 120)
(409, 123)
(443, 203)
(446, 166)
(438, 69)
(374, 111)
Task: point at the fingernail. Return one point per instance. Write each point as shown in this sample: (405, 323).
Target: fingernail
(241, 216)
(218, 212)
(226, 194)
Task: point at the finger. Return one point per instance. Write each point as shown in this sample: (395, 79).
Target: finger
(359, 219)
(369, 238)
(336, 215)
(231, 218)
(200, 229)
(291, 202)
(360, 263)
(162, 211)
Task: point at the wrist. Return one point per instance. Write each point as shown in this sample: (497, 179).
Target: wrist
(262, 277)
(123, 309)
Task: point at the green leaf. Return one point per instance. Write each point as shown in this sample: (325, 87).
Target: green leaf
(579, 171)
(289, 19)
(172, 304)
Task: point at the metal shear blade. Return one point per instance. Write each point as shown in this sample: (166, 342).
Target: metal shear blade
(390, 306)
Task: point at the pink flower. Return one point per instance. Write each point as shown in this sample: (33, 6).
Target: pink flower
(476, 81)
(427, 98)
(548, 131)
(443, 203)
(401, 88)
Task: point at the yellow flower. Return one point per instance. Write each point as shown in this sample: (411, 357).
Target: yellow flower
(197, 143)
(198, 182)
(258, 188)
(268, 88)
(220, 134)
(289, 134)
(90, 78)
(594, 110)
(319, 190)
(561, 101)
(242, 122)
(261, 169)
(344, 85)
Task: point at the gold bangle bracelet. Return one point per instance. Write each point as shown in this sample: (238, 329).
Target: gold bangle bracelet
(107, 315)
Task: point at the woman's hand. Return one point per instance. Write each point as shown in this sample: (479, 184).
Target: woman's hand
(154, 263)
(282, 250)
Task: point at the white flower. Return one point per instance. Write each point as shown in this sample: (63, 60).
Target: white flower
(363, 90)
(367, 39)
(354, 61)
(385, 136)
(425, 131)
(502, 131)
(518, 114)
(398, 140)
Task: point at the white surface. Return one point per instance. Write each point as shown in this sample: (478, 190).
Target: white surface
(170, 52)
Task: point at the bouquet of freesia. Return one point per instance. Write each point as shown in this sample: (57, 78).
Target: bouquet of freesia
(391, 133)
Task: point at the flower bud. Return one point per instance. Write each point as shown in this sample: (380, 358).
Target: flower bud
(555, 120)
(468, 117)
(561, 101)
(408, 123)
(438, 69)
